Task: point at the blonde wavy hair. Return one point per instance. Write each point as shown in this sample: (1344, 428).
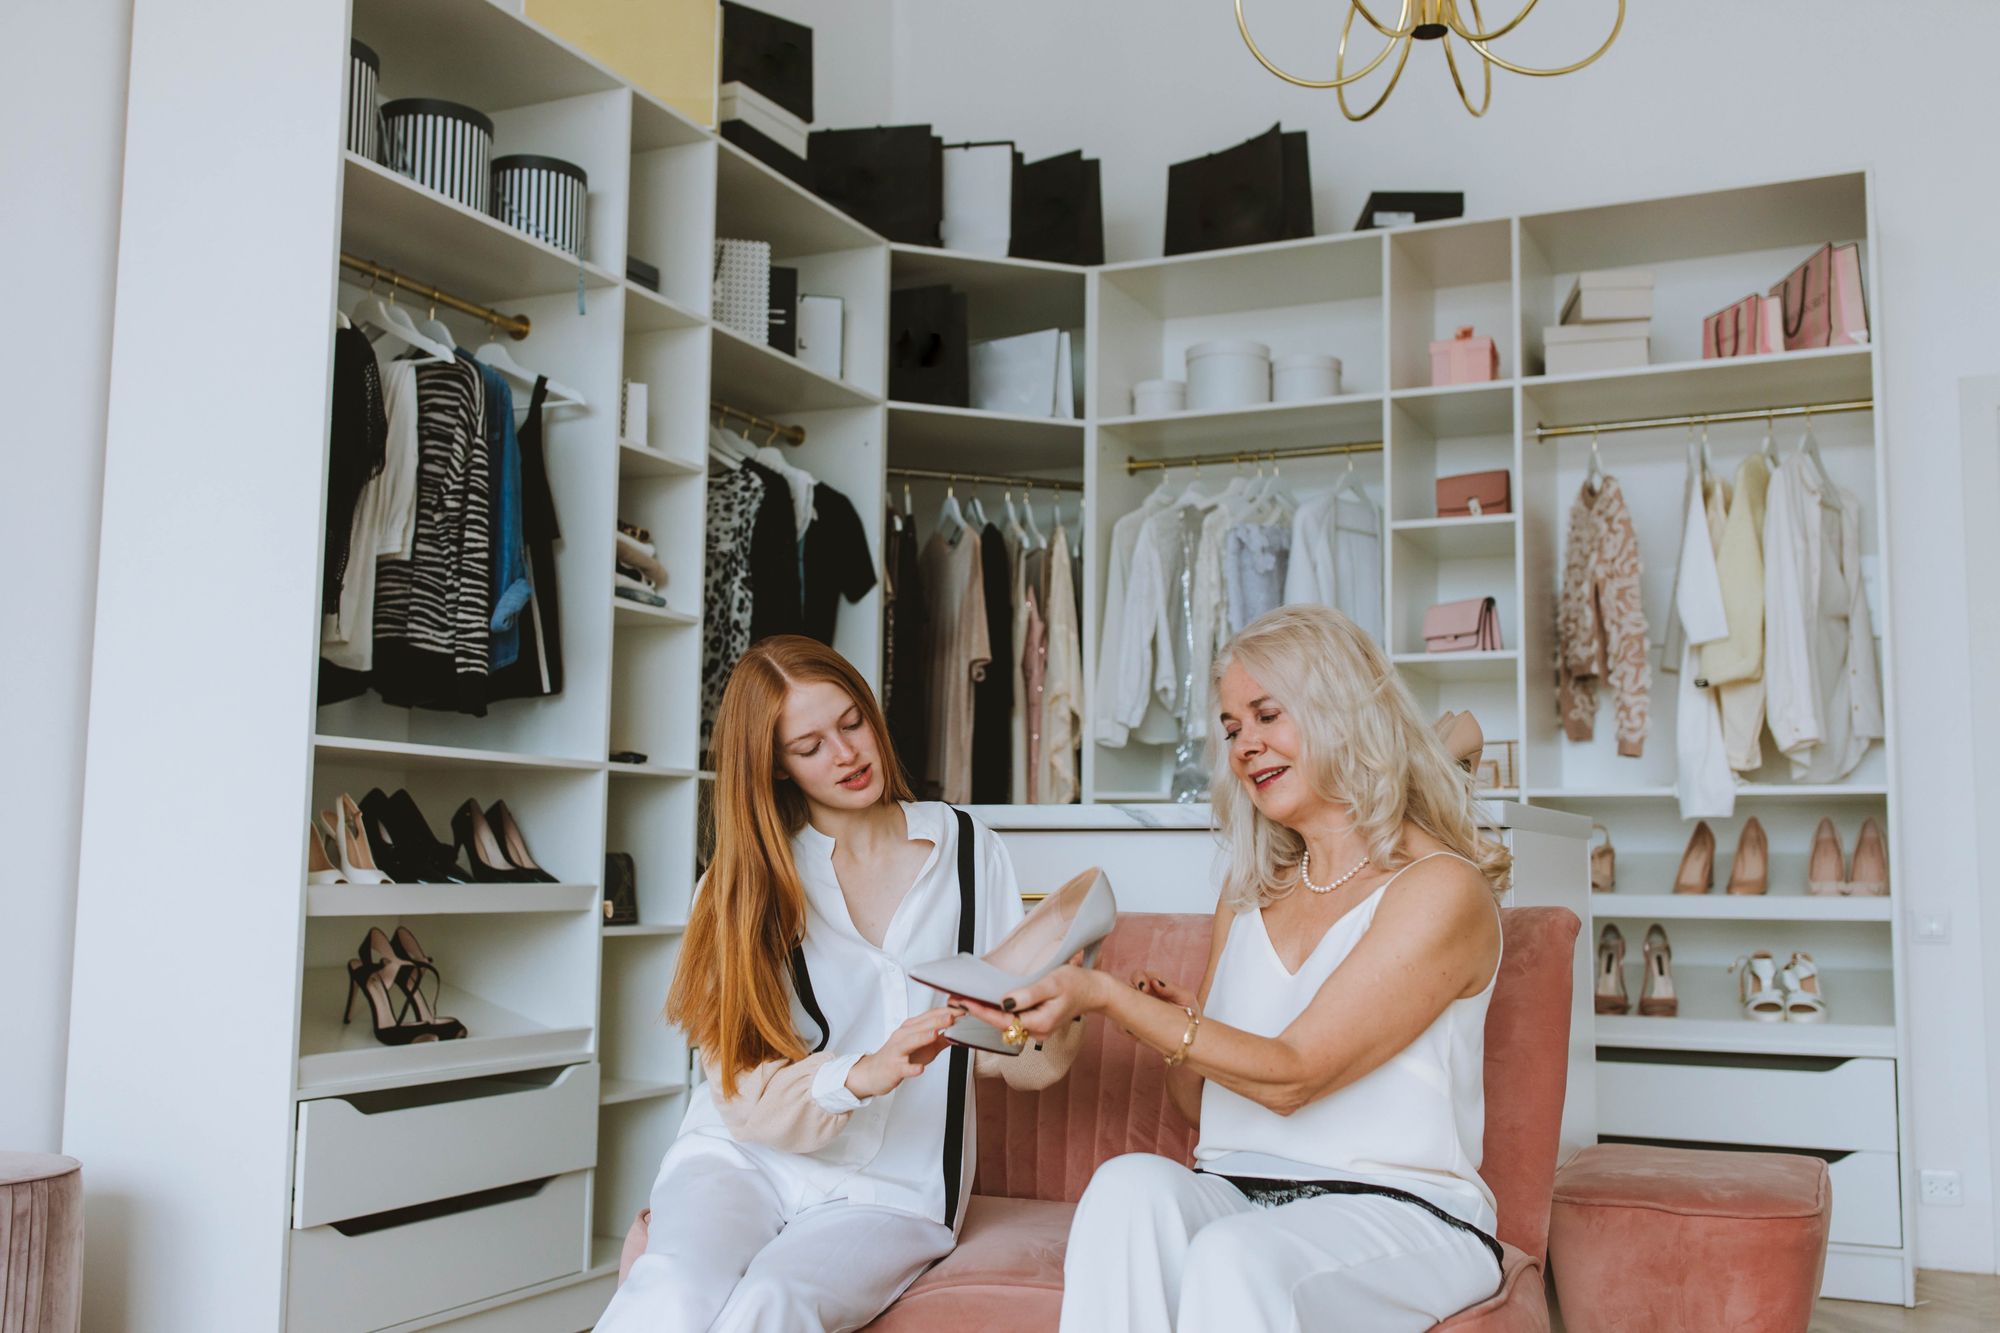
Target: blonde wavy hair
(1364, 744)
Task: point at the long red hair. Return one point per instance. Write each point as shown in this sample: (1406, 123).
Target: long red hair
(731, 993)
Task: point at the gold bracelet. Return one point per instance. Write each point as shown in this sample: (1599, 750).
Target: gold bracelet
(1187, 1038)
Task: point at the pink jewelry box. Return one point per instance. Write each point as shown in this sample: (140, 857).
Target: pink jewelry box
(1464, 359)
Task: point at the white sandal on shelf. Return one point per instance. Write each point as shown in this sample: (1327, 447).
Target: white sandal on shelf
(1803, 1001)
(1762, 1001)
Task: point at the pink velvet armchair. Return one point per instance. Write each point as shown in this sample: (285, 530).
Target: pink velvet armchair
(1037, 1150)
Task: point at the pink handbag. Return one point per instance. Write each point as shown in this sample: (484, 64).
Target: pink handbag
(1821, 301)
(1470, 626)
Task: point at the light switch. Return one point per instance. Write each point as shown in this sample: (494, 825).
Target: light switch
(1931, 927)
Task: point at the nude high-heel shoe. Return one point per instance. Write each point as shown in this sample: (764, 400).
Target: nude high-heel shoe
(320, 868)
(1462, 738)
(1826, 867)
(1750, 872)
(357, 860)
(1074, 919)
(1603, 863)
(1657, 997)
(1697, 869)
(1612, 997)
(1869, 876)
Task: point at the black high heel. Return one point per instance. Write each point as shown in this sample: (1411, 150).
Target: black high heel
(375, 974)
(409, 951)
(482, 850)
(513, 845)
(423, 858)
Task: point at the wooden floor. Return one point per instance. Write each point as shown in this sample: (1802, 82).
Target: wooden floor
(1946, 1303)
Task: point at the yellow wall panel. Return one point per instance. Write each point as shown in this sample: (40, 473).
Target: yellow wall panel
(667, 47)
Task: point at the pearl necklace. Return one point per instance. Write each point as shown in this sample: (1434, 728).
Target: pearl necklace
(1305, 874)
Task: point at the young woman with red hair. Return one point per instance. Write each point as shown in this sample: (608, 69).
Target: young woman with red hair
(827, 1160)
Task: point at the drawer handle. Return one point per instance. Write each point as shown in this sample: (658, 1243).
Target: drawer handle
(1827, 1155)
(1798, 1064)
(457, 1090)
(425, 1212)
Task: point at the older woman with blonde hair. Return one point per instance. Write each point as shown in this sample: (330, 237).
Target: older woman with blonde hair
(1333, 1055)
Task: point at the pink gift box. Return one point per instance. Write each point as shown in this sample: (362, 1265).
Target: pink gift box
(1464, 359)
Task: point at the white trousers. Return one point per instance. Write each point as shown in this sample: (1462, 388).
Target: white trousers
(722, 1254)
(1156, 1246)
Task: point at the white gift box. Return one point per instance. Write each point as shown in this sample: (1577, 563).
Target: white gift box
(1030, 375)
(1616, 345)
(739, 101)
(1608, 294)
(821, 321)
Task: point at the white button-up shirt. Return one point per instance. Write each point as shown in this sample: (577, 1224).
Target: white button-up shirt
(891, 1150)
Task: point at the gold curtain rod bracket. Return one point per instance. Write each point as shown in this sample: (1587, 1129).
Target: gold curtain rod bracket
(1237, 456)
(986, 479)
(516, 327)
(1706, 418)
(777, 430)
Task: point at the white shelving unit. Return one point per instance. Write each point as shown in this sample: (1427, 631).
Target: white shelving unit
(546, 989)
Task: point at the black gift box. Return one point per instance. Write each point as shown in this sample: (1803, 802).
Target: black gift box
(928, 356)
(1423, 205)
(1254, 193)
(1058, 210)
(772, 55)
(889, 178)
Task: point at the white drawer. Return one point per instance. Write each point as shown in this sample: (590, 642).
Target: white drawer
(349, 1283)
(389, 1150)
(1867, 1200)
(1850, 1107)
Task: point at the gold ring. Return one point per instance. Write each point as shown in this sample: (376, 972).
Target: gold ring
(1015, 1035)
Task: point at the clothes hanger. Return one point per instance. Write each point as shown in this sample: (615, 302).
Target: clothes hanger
(495, 354)
(1041, 543)
(340, 320)
(433, 327)
(1769, 449)
(1594, 479)
(909, 507)
(950, 515)
(371, 311)
(1809, 446)
(1191, 496)
(726, 449)
(1349, 483)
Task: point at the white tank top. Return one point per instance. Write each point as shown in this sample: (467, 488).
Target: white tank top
(1418, 1123)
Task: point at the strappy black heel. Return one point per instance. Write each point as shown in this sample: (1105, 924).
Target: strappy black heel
(412, 953)
(376, 973)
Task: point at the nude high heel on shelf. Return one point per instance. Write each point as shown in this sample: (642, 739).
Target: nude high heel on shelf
(1462, 738)
(1750, 872)
(1657, 997)
(1758, 989)
(1612, 997)
(320, 868)
(1803, 1001)
(1826, 869)
(380, 978)
(1869, 876)
(1697, 869)
(1074, 919)
(350, 841)
(1603, 863)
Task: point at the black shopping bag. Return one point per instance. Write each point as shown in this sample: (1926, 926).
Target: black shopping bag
(772, 55)
(1256, 192)
(927, 346)
(1058, 210)
(889, 178)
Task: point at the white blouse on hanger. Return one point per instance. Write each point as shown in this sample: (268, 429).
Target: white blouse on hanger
(1112, 661)
(384, 527)
(1336, 558)
(1704, 780)
(1825, 693)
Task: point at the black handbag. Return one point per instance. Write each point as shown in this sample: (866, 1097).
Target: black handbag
(929, 360)
(772, 55)
(1257, 192)
(621, 890)
(1058, 211)
(889, 178)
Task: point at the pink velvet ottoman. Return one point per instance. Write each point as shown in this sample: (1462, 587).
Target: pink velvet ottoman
(1655, 1240)
(41, 1243)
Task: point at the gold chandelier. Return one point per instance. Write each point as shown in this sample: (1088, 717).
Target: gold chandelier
(1423, 21)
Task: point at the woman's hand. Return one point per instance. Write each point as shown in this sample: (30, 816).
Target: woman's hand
(1146, 983)
(909, 1049)
(1043, 1007)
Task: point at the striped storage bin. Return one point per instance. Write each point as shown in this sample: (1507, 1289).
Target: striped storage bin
(443, 145)
(543, 196)
(742, 295)
(364, 118)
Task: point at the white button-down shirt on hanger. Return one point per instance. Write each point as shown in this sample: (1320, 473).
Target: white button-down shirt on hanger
(1704, 780)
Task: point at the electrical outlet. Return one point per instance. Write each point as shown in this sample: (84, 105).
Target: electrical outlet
(1940, 1189)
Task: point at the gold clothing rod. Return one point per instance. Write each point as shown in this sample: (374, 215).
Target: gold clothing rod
(1706, 418)
(515, 326)
(1133, 465)
(987, 479)
(776, 429)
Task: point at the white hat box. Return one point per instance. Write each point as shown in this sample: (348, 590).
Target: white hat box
(1231, 372)
(1618, 345)
(1303, 376)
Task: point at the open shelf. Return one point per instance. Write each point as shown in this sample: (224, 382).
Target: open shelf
(1443, 667)
(628, 613)
(616, 1090)
(337, 1058)
(1720, 906)
(644, 931)
(754, 202)
(402, 225)
(1459, 538)
(410, 754)
(393, 900)
(1461, 409)
(1350, 417)
(1727, 384)
(762, 379)
(646, 311)
(925, 435)
(635, 460)
(654, 771)
(1003, 295)
(1753, 791)
(1860, 1008)
(518, 63)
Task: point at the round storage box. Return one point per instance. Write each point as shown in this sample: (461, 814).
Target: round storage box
(443, 145)
(1296, 378)
(543, 196)
(1231, 373)
(364, 118)
(1156, 398)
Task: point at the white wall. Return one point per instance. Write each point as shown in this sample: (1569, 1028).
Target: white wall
(62, 94)
(1695, 95)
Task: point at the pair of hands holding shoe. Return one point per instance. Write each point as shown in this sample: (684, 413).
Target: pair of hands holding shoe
(1068, 993)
